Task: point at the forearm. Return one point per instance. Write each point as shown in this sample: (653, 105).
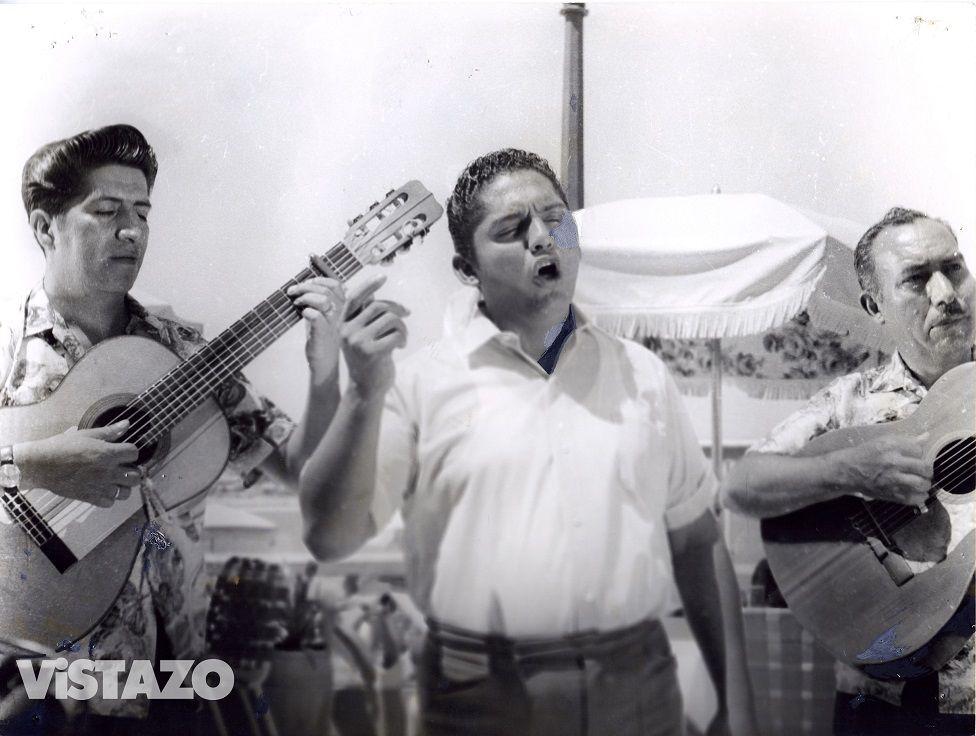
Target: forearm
(764, 485)
(695, 575)
(738, 687)
(320, 408)
(338, 481)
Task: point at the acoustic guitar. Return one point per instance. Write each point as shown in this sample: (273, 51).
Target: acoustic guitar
(860, 576)
(64, 562)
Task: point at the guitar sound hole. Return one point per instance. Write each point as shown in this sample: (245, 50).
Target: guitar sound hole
(138, 420)
(955, 466)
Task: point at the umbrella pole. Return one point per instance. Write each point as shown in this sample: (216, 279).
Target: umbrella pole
(715, 346)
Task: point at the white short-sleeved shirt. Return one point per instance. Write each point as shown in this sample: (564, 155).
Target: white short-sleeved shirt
(537, 505)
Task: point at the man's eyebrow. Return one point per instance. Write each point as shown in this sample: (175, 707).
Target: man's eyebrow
(553, 207)
(510, 217)
(917, 266)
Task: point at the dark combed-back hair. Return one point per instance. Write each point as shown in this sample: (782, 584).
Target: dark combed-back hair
(55, 174)
(464, 209)
(864, 252)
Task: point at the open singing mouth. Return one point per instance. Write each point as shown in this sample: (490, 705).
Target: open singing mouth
(547, 269)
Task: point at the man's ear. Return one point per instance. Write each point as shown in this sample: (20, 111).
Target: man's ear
(43, 226)
(465, 271)
(870, 305)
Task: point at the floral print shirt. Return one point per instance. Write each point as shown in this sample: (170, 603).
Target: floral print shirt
(883, 394)
(37, 348)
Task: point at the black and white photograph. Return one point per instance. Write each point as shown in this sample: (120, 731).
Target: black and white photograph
(497, 368)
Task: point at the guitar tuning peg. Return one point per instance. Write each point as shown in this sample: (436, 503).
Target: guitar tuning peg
(375, 204)
(389, 193)
(388, 260)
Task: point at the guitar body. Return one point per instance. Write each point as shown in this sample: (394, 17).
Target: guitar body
(40, 606)
(848, 583)
(63, 563)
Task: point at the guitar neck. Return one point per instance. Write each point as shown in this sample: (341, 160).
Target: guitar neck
(194, 380)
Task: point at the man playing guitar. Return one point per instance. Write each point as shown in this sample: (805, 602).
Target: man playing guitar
(915, 283)
(87, 200)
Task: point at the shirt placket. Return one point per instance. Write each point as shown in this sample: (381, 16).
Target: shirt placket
(578, 519)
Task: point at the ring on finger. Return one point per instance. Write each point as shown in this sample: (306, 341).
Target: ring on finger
(118, 490)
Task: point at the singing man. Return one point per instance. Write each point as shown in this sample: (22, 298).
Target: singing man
(550, 483)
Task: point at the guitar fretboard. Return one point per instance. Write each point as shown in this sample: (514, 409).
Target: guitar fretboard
(164, 404)
(27, 517)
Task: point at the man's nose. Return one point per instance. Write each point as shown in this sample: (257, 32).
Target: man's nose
(131, 228)
(538, 239)
(940, 289)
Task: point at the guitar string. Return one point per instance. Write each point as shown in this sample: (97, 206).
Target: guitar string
(952, 468)
(345, 260)
(824, 560)
(214, 367)
(953, 473)
(897, 518)
(209, 359)
(893, 519)
(33, 530)
(345, 265)
(966, 447)
(58, 503)
(264, 337)
(255, 340)
(902, 514)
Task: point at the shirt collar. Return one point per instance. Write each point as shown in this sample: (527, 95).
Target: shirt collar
(41, 316)
(469, 327)
(896, 376)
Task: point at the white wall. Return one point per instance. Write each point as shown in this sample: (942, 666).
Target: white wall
(273, 124)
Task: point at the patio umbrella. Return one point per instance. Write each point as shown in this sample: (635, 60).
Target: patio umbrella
(733, 284)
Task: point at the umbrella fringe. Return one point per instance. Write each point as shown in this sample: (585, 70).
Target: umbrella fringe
(771, 389)
(705, 322)
(826, 315)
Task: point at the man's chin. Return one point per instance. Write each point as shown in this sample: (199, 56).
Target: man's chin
(950, 346)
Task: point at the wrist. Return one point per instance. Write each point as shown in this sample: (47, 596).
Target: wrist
(365, 395)
(323, 380)
(10, 479)
(841, 480)
(24, 458)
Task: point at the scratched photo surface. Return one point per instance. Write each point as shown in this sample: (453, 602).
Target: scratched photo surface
(274, 125)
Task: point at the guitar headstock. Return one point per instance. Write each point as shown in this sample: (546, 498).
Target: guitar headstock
(392, 223)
